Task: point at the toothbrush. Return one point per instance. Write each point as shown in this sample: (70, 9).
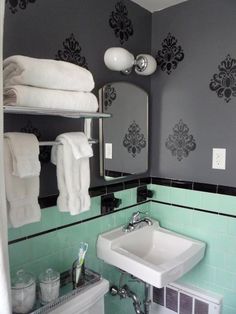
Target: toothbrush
(81, 255)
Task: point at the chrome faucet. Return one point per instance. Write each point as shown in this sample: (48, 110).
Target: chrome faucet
(137, 221)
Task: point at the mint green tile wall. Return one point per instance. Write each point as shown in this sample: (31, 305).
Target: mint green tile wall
(58, 249)
(217, 271)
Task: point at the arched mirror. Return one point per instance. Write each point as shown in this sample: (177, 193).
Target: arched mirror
(123, 137)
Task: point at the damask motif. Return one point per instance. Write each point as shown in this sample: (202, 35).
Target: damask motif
(29, 128)
(134, 140)
(45, 151)
(180, 143)
(170, 55)
(120, 23)
(109, 95)
(72, 52)
(15, 4)
(224, 82)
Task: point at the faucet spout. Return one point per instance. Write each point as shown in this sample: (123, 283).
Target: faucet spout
(137, 221)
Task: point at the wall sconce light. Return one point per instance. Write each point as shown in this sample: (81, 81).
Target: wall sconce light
(120, 59)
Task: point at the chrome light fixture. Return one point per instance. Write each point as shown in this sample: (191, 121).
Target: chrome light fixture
(120, 59)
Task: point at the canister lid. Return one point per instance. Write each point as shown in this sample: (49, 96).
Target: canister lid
(22, 279)
(49, 275)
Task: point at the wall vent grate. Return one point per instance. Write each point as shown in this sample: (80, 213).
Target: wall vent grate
(184, 299)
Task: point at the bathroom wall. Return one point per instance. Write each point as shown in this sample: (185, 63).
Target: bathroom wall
(54, 242)
(209, 217)
(79, 32)
(194, 109)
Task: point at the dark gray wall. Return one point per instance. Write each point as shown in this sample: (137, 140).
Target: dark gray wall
(205, 30)
(39, 30)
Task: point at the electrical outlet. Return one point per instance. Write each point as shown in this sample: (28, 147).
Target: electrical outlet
(219, 158)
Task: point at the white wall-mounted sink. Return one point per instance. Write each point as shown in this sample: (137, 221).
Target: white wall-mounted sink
(153, 254)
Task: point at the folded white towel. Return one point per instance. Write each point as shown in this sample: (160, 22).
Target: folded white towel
(22, 194)
(25, 154)
(46, 73)
(28, 96)
(73, 172)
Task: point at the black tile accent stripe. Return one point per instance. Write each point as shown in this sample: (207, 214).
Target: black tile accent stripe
(228, 190)
(132, 184)
(70, 225)
(204, 187)
(195, 186)
(182, 184)
(161, 181)
(50, 200)
(115, 187)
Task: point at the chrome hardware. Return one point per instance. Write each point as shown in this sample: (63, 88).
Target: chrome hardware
(137, 221)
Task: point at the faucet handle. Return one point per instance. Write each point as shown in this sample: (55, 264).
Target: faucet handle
(137, 216)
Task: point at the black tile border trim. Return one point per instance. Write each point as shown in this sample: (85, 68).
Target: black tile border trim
(195, 186)
(51, 200)
(70, 225)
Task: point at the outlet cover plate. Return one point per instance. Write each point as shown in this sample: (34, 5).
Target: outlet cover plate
(219, 158)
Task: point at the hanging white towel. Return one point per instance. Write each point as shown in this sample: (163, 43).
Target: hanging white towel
(73, 173)
(28, 96)
(21, 194)
(24, 149)
(46, 73)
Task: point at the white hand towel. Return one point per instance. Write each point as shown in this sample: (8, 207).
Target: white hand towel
(46, 73)
(21, 194)
(28, 96)
(73, 172)
(25, 154)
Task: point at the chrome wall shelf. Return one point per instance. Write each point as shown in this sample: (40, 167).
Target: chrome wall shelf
(54, 112)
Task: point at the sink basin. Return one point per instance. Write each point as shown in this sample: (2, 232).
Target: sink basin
(153, 254)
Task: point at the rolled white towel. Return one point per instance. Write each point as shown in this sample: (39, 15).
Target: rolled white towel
(46, 73)
(28, 96)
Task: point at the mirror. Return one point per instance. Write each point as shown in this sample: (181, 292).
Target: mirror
(124, 136)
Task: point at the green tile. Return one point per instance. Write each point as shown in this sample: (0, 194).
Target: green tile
(224, 279)
(230, 261)
(178, 196)
(214, 258)
(193, 199)
(227, 204)
(231, 228)
(210, 222)
(209, 201)
(20, 253)
(128, 197)
(161, 193)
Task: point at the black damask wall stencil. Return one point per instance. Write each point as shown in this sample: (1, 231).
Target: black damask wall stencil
(134, 140)
(109, 95)
(120, 23)
(72, 52)
(224, 82)
(45, 151)
(180, 143)
(170, 54)
(14, 5)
